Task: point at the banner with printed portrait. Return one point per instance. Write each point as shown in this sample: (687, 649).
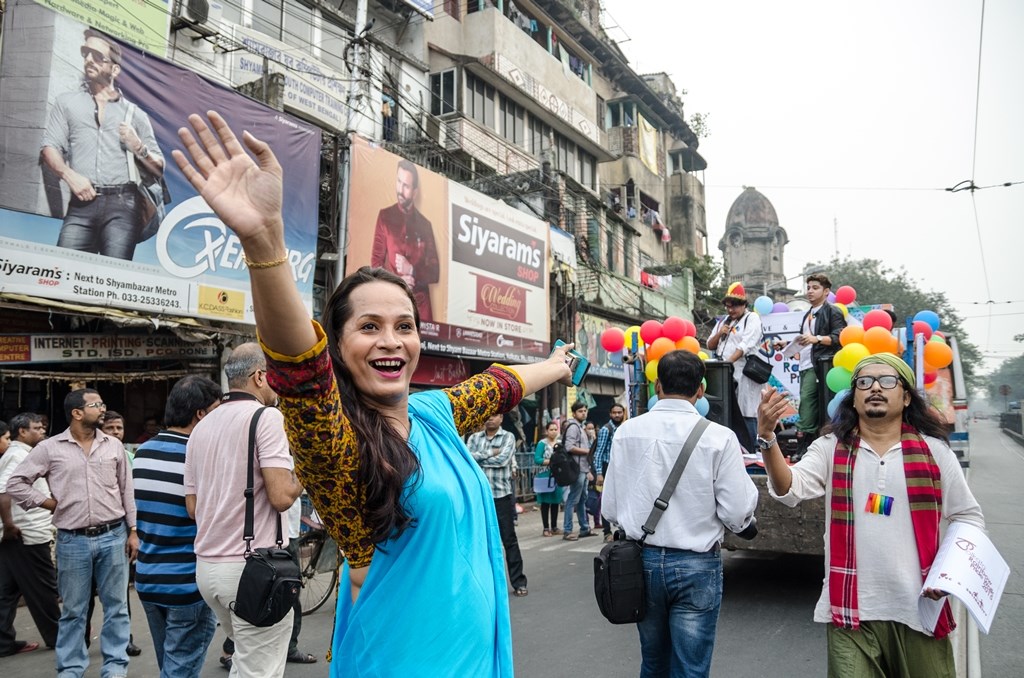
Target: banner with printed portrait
(88, 125)
(478, 268)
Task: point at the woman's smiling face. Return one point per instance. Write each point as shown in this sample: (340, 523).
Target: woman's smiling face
(380, 345)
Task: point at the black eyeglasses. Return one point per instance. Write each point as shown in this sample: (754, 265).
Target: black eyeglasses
(886, 381)
(734, 304)
(255, 371)
(97, 56)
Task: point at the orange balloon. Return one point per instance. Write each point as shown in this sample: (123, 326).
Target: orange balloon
(878, 340)
(660, 347)
(894, 346)
(689, 344)
(938, 354)
(851, 335)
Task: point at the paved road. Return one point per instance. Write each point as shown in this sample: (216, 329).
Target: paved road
(997, 480)
(765, 627)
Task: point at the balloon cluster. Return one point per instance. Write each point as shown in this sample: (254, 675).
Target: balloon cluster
(875, 335)
(656, 339)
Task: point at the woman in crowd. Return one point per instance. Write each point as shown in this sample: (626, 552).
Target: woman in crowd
(548, 501)
(423, 589)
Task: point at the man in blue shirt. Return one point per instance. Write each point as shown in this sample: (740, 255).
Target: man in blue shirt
(603, 453)
(181, 623)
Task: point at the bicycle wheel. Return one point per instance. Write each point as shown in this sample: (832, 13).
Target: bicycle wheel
(318, 562)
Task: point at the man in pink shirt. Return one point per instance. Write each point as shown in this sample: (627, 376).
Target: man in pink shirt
(93, 504)
(215, 474)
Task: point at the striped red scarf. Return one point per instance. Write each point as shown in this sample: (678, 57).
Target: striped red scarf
(924, 492)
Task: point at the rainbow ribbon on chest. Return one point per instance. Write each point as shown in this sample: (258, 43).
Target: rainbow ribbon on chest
(879, 503)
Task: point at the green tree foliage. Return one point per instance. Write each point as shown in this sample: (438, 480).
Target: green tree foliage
(877, 283)
(708, 289)
(1010, 373)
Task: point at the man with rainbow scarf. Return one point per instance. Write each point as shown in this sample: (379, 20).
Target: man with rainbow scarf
(890, 478)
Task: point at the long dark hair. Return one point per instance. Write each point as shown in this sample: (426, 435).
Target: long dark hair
(385, 460)
(918, 413)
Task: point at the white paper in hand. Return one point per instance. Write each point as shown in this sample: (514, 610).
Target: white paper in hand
(969, 567)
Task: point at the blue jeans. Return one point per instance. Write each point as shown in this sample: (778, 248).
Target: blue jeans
(80, 560)
(684, 594)
(181, 636)
(577, 499)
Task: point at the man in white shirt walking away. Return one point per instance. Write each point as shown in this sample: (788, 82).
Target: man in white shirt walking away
(682, 558)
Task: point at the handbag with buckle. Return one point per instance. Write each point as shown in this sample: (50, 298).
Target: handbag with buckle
(757, 370)
(271, 581)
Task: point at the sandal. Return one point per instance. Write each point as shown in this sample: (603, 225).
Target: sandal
(225, 663)
(301, 658)
(569, 537)
(547, 533)
(520, 592)
(22, 646)
(556, 531)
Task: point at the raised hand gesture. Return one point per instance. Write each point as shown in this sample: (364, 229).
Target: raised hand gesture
(246, 196)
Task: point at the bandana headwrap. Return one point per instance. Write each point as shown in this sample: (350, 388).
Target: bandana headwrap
(893, 361)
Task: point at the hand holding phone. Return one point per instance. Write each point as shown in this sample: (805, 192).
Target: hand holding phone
(578, 363)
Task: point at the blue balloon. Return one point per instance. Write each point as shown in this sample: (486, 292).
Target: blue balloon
(833, 404)
(930, 317)
(703, 406)
(651, 401)
(763, 305)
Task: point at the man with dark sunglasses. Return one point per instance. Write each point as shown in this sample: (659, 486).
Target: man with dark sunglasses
(889, 478)
(99, 144)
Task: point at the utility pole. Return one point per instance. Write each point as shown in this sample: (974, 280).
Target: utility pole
(354, 106)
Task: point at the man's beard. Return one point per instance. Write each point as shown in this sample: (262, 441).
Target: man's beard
(875, 414)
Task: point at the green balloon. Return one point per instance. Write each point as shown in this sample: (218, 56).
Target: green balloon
(838, 378)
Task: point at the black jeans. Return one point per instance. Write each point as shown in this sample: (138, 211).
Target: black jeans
(545, 511)
(505, 508)
(107, 225)
(27, 571)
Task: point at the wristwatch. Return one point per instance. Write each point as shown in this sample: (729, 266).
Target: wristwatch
(764, 444)
(144, 153)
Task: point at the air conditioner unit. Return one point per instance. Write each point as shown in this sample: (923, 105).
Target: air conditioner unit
(198, 18)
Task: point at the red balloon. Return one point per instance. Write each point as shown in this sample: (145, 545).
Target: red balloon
(846, 295)
(673, 328)
(921, 327)
(613, 339)
(691, 329)
(929, 377)
(650, 331)
(877, 318)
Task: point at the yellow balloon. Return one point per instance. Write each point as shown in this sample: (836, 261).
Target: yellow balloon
(849, 355)
(651, 371)
(633, 333)
(703, 356)
(842, 307)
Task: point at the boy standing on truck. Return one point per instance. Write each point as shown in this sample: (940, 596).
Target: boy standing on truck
(888, 477)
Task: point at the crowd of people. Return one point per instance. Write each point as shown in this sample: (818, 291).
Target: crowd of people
(416, 488)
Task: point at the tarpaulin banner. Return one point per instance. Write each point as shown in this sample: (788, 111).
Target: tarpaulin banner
(80, 133)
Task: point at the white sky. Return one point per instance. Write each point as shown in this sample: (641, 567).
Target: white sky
(813, 102)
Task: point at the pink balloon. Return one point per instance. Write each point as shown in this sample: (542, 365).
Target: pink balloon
(921, 327)
(673, 328)
(613, 339)
(846, 295)
(650, 331)
(691, 329)
(877, 318)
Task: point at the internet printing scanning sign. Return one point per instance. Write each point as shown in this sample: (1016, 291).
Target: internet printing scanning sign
(499, 267)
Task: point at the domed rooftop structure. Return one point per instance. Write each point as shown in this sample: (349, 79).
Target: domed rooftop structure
(753, 244)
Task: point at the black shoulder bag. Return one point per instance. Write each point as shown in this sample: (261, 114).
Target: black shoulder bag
(619, 568)
(270, 582)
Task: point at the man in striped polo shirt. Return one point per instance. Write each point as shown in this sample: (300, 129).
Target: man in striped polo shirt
(181, 623)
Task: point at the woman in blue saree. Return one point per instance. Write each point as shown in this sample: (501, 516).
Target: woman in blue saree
(423, 590)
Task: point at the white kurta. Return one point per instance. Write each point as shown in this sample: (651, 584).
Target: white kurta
(745, 336)
(888, 569)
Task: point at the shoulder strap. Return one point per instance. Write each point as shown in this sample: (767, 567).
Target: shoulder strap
(661, 503)
(248, 531)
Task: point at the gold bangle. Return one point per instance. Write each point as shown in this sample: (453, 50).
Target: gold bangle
(264, 264)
